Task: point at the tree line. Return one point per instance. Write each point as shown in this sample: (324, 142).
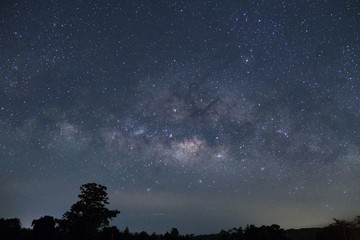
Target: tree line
(89, 218)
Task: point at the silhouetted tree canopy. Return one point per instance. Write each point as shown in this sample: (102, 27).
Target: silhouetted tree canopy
(44, 228)
(251, 232)
(110, 233)
(9, 228)
(88, 215)
(341, 230)
(88, 219)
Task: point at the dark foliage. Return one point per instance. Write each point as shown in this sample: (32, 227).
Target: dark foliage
(273, 232)
(44, 228)
(88, 215)
(89, 218)
(114, 234)
(341, 230)
(10, 228)
(303, 233)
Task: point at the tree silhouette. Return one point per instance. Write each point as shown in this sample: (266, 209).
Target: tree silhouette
(341, 230)
(88, 215)
(174, 234)
(110, 233)
(357, 221)
(9, 228)
(344, 225)
(44, 228)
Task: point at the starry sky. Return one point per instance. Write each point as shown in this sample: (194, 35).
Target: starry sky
(199, 115)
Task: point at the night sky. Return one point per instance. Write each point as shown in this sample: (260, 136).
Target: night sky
(199, 115)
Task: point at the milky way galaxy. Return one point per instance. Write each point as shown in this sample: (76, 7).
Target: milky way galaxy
(199, 115)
